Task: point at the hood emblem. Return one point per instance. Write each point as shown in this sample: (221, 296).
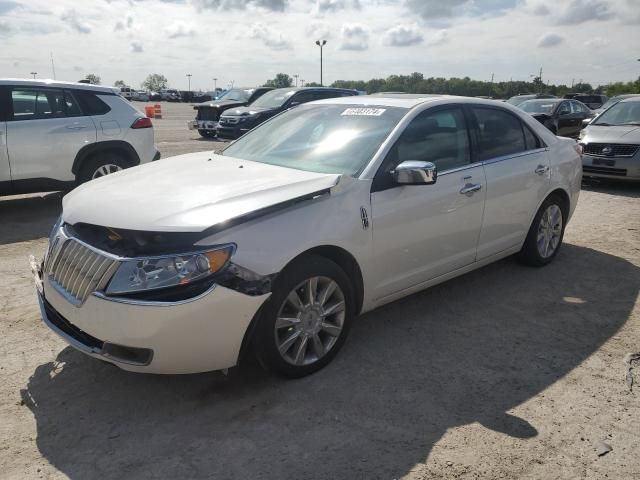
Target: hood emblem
(608, 150)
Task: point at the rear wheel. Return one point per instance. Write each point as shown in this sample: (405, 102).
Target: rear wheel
(206, 133)
(102, 164)
(546, 233)
(307, 319)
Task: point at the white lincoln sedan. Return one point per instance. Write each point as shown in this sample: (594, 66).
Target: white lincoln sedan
(326, 211)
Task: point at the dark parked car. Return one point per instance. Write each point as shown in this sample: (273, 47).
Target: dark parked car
(209, 112)
(516, 100)
(563, 117)
(237, 121)
(592, 101)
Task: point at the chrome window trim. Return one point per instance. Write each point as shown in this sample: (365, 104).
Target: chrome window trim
(152, 303)
(493, 160)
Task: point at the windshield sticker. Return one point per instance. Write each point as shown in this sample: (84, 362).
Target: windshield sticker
(368, 112)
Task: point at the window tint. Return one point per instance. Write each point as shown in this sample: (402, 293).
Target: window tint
(304, 97)
(91, 104)
(29, 104)
(500, 133)
(72, 106)
(564, 108)
(532, 142)
(438, 137)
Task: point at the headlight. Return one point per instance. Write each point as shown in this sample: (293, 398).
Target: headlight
(152, 273)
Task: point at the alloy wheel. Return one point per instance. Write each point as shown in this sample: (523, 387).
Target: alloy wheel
(310, 321)
(106, 169)
(549, 231)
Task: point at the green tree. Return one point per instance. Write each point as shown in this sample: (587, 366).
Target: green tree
(93, 79)
(119, 83)
(282, 80)
(154, 82)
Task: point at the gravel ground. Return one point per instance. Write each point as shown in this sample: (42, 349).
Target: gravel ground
(507, 372)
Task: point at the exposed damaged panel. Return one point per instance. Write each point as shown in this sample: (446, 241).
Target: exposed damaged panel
(245, 281)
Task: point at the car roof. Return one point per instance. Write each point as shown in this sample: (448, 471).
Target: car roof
(27, 82)
(330, 89)
(405, 100)
(547, 100)
(630, 99)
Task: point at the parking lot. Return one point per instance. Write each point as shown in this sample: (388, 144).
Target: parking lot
(507, 372)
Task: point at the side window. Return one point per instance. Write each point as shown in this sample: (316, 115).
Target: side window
(72, 106)
(499, 133)
(564, 109)
(32, 104)
(91, 104)
(532, 142)
(304, 97)
(438, 137)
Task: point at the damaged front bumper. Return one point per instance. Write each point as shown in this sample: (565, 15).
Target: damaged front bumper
(200, 334)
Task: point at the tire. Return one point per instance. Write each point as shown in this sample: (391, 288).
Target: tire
(205, 133)
(295, 341)
(101, 164)
(543, 244)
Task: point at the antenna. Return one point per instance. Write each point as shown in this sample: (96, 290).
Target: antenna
(53, 67)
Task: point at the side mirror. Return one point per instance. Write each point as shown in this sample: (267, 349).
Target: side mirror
(586, 122)
(415, 172)
(294, 104)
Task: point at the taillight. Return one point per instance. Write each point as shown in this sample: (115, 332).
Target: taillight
(142, 122)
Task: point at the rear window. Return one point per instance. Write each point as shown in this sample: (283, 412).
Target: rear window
(91, 103)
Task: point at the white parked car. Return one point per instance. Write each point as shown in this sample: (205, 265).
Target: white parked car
(55, 135)
(326, 211)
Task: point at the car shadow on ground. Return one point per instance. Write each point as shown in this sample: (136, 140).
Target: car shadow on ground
(27, 218)
(466, 351)
(611, 187)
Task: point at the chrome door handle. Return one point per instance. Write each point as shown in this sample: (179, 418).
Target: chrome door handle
(76, 126)
(470, 189)
(542, 169)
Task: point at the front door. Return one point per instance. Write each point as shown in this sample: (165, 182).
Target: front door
(45, 133)
(421, 232)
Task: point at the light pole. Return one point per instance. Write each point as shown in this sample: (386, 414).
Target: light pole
(189, 79)
(302, 82)
(321, 44)
(215, 84)
(296, 77)
(34, 74)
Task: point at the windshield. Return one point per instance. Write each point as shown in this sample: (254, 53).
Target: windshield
(235, 94)
(273, 99)
(622, 113)
(319, 138)
(517, 100)
(538, 106)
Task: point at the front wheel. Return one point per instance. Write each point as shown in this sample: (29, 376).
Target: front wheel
(306, 321)
(545, 235)
(100, 165)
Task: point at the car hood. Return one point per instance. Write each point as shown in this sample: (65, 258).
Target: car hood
(220, 103)
(244, 111)
(188, 193)
(624, 134)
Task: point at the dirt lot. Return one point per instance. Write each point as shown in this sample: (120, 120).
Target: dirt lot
(508, 372)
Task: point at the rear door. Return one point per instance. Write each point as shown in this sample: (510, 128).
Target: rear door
(5, 168)
(45, 132)
(517, 170)
(565, 119)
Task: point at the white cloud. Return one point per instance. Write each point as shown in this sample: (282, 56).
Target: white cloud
(71, 18)
(354, 37)
(550, 40)
(125, 23)
(440, 38)
(323, 6)
(541, 10)
(596, 42)
(136, 46)
(581, 11)
(403, 35)
(271, 38)
(179, 30)
(318, 30)
(274, 5)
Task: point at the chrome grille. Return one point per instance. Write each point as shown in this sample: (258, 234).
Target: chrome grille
(610, 150)
(229, 120)
(77, 270)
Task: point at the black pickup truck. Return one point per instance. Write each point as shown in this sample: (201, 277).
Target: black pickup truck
(206, 121)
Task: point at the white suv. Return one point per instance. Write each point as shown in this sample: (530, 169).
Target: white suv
(56, 135)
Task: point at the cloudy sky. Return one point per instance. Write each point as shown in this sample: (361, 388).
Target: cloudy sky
(249, 41)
